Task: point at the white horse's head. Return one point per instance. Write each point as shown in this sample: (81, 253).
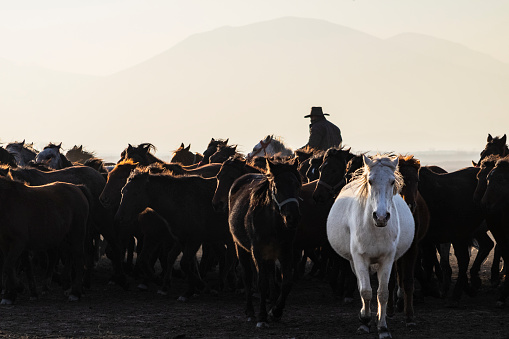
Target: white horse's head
(270, 146)
(50, 156)
(381, 181)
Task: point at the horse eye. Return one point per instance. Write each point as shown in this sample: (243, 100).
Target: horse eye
(392, 182)
(370, 182)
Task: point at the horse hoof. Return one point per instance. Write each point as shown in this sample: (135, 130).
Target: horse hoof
(250, 319)
(383, 333)
(182, 299)
(275, 314)
(262, 324)
(142, 287)
(363, 329)
(73, 298)
(6, 302)
(162, 292)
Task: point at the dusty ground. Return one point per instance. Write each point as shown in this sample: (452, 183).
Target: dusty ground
(312, 312)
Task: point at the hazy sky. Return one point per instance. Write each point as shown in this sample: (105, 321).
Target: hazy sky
(104, 36)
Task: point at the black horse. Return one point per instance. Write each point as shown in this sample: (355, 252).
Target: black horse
(263, 216)
(185, 204)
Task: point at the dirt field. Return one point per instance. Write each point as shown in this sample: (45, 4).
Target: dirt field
(107, 311)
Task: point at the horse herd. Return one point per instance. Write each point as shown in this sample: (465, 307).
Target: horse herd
(268, 213)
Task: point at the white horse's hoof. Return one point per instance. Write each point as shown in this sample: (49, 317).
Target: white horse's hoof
(182, 299)
(363, 329)
(161, 292)
(262, 324)
(383, 333)
(6, 302)
(73, 298)
(142, 287)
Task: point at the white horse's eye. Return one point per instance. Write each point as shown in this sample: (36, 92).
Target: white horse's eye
(392, 182)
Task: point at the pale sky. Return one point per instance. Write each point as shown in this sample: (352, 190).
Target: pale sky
(101, 37)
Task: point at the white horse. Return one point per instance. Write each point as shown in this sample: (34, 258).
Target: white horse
(370, 225)
(270, 146)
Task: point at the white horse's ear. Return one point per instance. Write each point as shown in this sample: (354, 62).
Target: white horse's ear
(395, 162)
(367, 161)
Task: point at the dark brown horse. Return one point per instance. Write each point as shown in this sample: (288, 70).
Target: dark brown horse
(496, 203)
(185, 203)
(332, 174)
(78, 155)
(140, 154)
(42, 218)
(212, 148)
(496, 146)
(409, 168)
(185, 157)
(222, 154)
(101, 219)
(263, 216)
(7, 158)
(454, 217)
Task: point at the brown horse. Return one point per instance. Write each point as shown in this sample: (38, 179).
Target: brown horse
(496, 202)
(185, 203)
(222, 153)
(7, 158)
(141, 154)
(494, 145)
(79, 155)
(409, 168)
(263, 216)
(51, 157)
(23, 152)
(212, 148)
(101, 219)
(185, 157)
(42, 218)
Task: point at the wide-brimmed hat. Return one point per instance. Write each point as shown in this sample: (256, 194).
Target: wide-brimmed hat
(316, 112)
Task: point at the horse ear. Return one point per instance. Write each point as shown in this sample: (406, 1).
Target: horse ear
(395, 162)
(80, 148)
(474, 164)
(226, 141)
(181, 145)
(367, 161)
(490, 138)
(188, 147)
(59, 145)
(503, 139)
(23, 142)
(268, 165)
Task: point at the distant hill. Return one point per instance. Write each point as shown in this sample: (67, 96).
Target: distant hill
(406, 93)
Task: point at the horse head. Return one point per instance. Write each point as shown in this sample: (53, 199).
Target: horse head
(497, 191)
(50, 156)
(331, 177)
(409, 168)
(285, 185)
(494, 145)
(380, 182)
(486, 166)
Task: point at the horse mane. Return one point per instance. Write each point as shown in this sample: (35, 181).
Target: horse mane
(409, 160)
(279, 145)
(490, 161)
(503, 163)
(261, 194)
(23, 145)
(360, 176)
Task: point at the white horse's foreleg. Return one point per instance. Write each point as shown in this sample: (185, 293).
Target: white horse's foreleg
(361, 269)
(384, 273)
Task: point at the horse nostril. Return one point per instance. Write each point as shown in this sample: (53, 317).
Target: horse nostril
(388, 216)
(375, 216)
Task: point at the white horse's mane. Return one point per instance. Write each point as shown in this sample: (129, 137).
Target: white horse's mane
(360, 176)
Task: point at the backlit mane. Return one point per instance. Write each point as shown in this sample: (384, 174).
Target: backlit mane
(409, 160)
(360, 176)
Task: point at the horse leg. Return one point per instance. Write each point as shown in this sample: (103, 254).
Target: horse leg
(391, 287)
(265, 271)
(461, 253)
(485, 246)
(384, 274)
(26, 262)
(247, 278)
(9, 273)
(445, 268)
(78, 263)
(406, 270)
(188, 265)
(172, 256)
(361, 268)
(495, 267)
(285, 260)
